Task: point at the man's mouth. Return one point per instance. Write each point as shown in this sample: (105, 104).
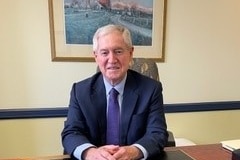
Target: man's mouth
(113, 68)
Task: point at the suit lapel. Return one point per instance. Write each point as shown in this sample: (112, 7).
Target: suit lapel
(98, 99)
(130, 97)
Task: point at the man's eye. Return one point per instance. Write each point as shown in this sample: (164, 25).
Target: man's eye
(118, 51)
(104, 53)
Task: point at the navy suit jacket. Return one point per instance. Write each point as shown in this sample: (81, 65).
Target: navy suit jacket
(142, 114)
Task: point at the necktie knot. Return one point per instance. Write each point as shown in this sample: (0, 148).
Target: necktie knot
(114, 93)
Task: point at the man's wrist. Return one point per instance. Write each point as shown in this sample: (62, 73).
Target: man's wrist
(142, 150)
(135, 152)
(86, 151)
(78, 152)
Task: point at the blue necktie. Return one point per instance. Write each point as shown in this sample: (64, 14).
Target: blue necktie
(113, 118)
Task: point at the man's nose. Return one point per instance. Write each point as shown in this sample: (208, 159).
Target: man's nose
(112, 57)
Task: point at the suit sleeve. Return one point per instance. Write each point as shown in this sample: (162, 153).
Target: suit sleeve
(74, 132)
(155, 137)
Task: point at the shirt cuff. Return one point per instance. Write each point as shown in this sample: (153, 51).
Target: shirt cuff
(80, 149)
(143, 150)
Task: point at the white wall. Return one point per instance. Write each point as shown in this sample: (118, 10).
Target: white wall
(202, 65)
(202, 51)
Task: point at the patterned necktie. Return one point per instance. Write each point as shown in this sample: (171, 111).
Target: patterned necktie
(113, 118)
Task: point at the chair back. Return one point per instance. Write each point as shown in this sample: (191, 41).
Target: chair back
(147, 67)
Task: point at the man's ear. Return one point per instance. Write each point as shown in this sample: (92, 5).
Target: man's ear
(94, 54)
(131, 51)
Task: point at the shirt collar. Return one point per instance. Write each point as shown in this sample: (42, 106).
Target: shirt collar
(119, 87)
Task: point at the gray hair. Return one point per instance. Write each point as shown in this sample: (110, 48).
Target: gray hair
(110, 28)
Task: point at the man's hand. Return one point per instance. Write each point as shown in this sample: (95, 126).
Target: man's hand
(101, 153)
(128, 153)
(112, 152)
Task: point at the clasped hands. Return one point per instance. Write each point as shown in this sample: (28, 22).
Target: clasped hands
(112, 152)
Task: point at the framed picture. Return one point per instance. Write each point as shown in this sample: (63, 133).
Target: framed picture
(73, 23)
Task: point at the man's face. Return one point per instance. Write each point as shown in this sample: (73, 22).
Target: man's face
(113, 56)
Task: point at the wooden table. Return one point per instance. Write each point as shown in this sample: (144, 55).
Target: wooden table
(196, 152)
(58, 157)
(204, 152)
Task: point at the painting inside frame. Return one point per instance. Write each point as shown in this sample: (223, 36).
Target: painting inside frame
(73, 23)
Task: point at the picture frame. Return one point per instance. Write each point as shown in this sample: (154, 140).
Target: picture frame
(61, 51)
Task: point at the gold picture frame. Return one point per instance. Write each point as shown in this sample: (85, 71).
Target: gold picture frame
(61, 51)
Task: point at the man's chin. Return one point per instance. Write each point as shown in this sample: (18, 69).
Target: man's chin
(114, 79)
(113, 73)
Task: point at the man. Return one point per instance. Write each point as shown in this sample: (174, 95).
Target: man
(142, 130)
